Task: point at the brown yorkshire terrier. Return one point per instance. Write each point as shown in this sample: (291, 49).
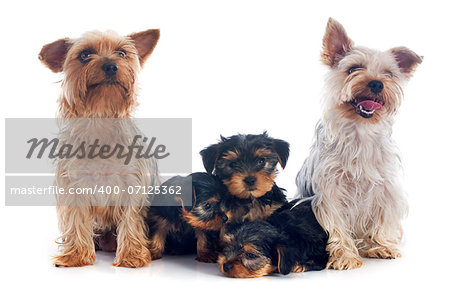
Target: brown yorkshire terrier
(100, 82)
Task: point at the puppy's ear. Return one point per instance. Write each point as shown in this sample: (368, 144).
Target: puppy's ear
(286, 260)
(209, 157)
(145, 42)
(194, 196)
(281, 148)
(406, 59)
(335, 44)
(54, 54)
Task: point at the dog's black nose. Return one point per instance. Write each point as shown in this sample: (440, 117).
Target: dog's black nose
(250, 180)
(224, 218)
(227, 267)
(376, 86)
(110, 68)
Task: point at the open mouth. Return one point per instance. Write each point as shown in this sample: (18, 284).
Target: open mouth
(366, 107)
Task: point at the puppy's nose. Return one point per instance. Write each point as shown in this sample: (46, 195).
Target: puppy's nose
(376, 86)
(110, 69)
(224, 218)
(250, 180)
(227, 267)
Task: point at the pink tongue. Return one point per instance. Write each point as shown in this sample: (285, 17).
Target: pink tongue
(369, 105)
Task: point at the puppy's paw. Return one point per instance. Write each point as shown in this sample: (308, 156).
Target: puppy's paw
(156, 255)
(299, 269)
(207, 258)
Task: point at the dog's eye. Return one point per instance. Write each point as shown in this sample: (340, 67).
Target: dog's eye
(354, 69)
(85, 55)
(122, 53)
(261, 161)
(207, 206)
(250, 256)
(233, 165)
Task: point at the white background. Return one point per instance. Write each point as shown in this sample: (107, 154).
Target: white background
(238, 66)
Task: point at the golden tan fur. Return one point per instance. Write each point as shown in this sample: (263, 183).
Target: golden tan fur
(204, 254)
(214, 224)
(239, 271)
(158, 241)
(263, 184)
(86, 94)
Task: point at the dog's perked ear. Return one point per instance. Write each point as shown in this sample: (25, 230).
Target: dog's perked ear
(145, 42)
(286, 261)
(209, 157)
(406, 59)
(281, 148)
(336, 44)
(54, 54)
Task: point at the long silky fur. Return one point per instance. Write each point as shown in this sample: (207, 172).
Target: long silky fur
(352, 172)
(81, 107)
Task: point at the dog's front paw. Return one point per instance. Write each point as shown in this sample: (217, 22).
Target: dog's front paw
(299, 268)
(74, 260)
(136, 260)
(156, 255)
(381, 252)
(344, 263)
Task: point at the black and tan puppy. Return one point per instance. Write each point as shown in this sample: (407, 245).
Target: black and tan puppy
(181, 230)
(291, 240)
(247, 165)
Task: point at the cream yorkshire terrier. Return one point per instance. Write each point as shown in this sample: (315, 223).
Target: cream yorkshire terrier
(352, 171)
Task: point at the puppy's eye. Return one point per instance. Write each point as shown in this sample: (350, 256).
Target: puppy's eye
(122, 53)
(261, 161)
(250, 256)
(233, 165)
(207, 206)
(354, 69)
(85, 55)
(388, 74)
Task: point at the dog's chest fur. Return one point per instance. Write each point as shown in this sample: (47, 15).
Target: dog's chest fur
(354, 161)
(115, 183)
